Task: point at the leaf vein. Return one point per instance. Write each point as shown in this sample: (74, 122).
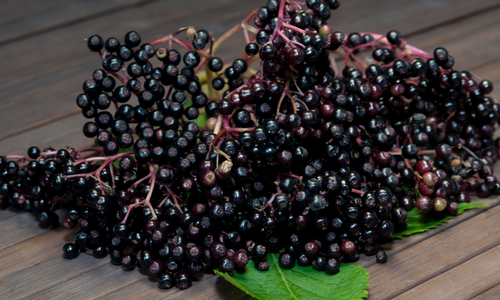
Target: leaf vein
(283, 277)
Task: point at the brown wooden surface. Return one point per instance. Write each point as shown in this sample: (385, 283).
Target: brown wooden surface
(44, 62)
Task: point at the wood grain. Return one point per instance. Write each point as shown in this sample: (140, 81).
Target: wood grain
(63, 62)
(31, 252)
(481, 272)
(472, 42)
(454, 261)
(21, 21)
(17, 228)
(407, 16)
(435, 255)
(492, 293)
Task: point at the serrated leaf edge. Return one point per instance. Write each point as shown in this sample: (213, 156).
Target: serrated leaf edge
(400, 235)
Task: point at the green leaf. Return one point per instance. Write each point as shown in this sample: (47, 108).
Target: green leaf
(410, 188)
(418, 222)
(300, 282)
(202, 120)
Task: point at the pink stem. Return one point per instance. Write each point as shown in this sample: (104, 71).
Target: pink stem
(238, 129)
(357, 192)
(20, 157)
(114, 157)
(113, 184)
(187, 46)
(218, 125)
(225, 122)
(247, 38)
(151, 188)
(296, 29)
(293, 175)
(248, 84)
(164, 200)
(45, 154)
(281, 11)
(334, 65)
(412, 49)
(421, 152)
(175, 197)
(130, 209)
(139, 181)
(98, 172)
(269, 202)
(119, 77)
(89, 149)
(288, 41)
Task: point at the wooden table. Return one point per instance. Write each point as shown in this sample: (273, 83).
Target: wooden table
(44, 61)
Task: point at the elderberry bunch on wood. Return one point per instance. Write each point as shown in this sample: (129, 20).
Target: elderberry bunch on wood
(315, 154)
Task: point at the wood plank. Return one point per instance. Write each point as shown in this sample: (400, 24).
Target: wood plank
(472, 42)
(406, 16)
(36, 17)
(51, 276)
(91, 284)
(38, 249)
(17, 228)
(45, 273)
(101, 275)
(63, 61)
(6, 214)
(396, 246)
(59, 134)
(11, 12)
(213, 287)
(435, 255)
(490, 71)
(492, 293)
(480, 272)
(63, 45)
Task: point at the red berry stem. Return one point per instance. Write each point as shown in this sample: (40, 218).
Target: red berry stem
(358, 192)
(139, 181)
(18, 157)
(461, 146)
(150, 193)
(446, 123)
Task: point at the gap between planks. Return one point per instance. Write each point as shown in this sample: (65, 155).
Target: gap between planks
(481, 271)
(76, 20)
(435, 255)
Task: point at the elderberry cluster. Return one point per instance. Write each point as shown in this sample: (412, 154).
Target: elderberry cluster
(161, 92)
(299, 158)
